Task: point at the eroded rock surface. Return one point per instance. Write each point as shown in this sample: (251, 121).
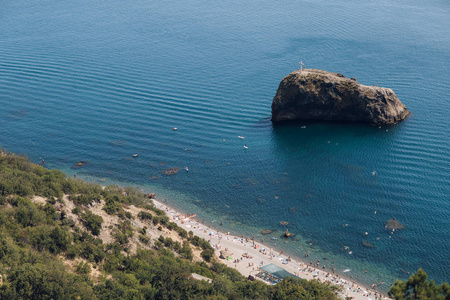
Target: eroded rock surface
(312, 94)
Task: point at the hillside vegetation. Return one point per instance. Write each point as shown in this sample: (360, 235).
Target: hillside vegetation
(62, 238)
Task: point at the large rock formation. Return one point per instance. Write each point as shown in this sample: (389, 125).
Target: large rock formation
(312, 94)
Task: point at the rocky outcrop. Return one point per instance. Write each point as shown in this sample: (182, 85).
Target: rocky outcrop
(312, 94)
(393, 224)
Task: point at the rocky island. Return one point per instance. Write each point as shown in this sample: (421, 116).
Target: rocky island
(312, 94)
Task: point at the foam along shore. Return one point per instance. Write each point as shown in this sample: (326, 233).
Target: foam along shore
(248, 256)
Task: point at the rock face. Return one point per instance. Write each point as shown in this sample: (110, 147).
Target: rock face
(312, 94)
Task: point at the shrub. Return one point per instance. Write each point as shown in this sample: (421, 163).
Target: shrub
(145, 216)
(144, 239)
(71, 252)
(121, 238)
(158, 245)
(29, 215)
(76, 210)
(186, 251)
(112, 205)
(207, 254)
(68, 222)
(60, 240)
(129, 215)
(171, 225)
(168, 242)
(83, 268)
(92, 222)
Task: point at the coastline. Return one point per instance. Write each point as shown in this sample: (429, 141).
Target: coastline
(249, 255)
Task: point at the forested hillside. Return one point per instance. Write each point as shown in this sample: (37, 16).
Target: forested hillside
(62, 238)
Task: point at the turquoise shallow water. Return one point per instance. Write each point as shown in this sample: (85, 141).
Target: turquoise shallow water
(99, 81)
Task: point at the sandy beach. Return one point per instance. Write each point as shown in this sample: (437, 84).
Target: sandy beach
(247, 256)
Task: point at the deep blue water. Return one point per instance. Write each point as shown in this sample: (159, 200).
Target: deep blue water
(102, 80)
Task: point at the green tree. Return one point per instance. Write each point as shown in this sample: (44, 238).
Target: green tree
(92, 222)
(418, 287)
(207, 254)
(112, 205)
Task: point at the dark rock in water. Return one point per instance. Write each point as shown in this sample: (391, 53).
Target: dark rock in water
(267, 231)
(393, 224)
(171, 171)
(312, 94)
(368, 245)
(293, 210)
(80, 164)
(150, 195)
(288, 235)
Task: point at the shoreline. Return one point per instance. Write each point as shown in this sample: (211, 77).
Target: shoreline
(249, 255)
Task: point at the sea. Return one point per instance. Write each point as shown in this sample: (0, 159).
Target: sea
(98, 81)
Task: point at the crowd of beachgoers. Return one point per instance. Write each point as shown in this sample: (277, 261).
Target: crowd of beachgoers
(248, 256)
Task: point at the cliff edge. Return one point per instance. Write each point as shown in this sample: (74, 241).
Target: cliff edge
(312, 94)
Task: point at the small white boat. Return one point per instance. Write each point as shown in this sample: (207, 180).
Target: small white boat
(187, 169)
(245, 147)
(135, 155)
(241, 137)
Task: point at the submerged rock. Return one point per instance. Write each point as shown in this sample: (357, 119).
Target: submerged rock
(368, 245)
(288, 234)
(312, 94)
(393, 224)
(267, 231)
(171, 171)
(80, 164)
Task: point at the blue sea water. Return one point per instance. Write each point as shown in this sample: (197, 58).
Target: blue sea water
(102, 80)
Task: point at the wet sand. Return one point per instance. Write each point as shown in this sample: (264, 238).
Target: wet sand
(248, 256)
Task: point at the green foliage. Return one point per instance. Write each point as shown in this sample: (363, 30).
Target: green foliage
(256, 290)
(228, 273)
(28, 214)
(168, 242)
(92, 222)
(294, 288)
(418, 287)
(155, 220)
(20, 177)
(128, 215)
(55, 240)
(207, 254)
(83, 268)
(76, 210)
(145, 216)
(112, 205)
(158, 245)
(45, 282)
(186, 251)
(68, 222)
(86, 246)
(144, 239)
